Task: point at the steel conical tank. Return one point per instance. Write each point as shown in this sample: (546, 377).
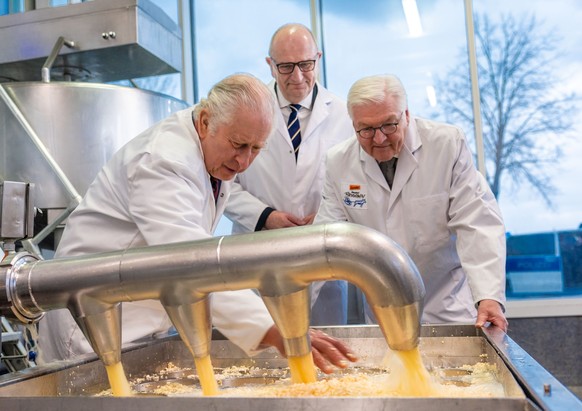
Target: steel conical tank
(79, 124)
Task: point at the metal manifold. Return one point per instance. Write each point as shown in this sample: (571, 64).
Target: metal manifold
(182, 275)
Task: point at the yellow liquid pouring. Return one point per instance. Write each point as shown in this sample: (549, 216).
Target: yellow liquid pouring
(119, 384)
(413, 380)
(302, 369)
(206, 375)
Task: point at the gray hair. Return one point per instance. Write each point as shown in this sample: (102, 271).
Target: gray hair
(375, 89)
(233, 93)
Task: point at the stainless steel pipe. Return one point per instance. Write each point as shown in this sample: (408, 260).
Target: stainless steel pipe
(280, 264)
(48, 64)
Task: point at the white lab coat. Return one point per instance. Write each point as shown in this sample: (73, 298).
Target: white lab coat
(440, 210)
(277, 180)
(155, 190)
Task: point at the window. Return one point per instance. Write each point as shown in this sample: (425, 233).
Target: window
(234, 36)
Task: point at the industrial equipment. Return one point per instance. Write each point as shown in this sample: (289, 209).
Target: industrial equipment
(59, 125)
(73, 384)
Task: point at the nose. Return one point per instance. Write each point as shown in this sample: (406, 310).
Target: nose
(296, 73)
(379, 137)
(244, 158)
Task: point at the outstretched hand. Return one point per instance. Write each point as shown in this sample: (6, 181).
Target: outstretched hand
(327, 351)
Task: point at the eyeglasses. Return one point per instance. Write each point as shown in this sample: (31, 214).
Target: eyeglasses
(288, 68)
(386, 129)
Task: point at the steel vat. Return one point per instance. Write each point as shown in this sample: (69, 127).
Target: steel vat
(79, 124)
(71, 385)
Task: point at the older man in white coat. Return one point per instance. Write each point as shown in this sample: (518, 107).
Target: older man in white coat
(170, 184)
(414, 180)
(282, 188)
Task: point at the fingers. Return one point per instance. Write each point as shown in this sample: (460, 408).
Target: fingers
(490, 311)
(500, 322)
(321, 362)
(329, 352)
(293, 219)
(481, 320)
(309, 219)
(281, 219)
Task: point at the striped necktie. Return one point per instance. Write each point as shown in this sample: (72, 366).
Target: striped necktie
(294, 128)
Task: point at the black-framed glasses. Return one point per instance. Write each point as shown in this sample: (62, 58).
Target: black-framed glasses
(288, 68)
(386, 129)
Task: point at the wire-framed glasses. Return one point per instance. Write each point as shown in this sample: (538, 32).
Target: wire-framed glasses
(386, 129)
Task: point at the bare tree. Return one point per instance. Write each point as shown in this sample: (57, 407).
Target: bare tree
(524, 116)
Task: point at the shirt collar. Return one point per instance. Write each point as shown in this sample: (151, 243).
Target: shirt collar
(307, 102)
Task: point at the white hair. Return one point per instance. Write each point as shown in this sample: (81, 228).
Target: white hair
(237, 91)
(376, 89)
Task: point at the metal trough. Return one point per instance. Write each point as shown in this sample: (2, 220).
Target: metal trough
(72, 385)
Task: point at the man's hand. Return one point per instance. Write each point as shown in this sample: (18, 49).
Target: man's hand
(327, 351)
(309, 219)
(490, 311)
(281, 219)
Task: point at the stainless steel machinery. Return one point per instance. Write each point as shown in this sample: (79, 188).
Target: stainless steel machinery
(103, 41)
(265, 261)
(57, 133)
(72, 385)
(182, 275)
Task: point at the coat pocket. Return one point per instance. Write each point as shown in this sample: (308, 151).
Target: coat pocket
(428, 217)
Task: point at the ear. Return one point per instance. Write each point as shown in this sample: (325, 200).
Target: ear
(203, 121)
(272, 67)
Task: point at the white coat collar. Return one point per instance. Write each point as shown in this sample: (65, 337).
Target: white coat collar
(407, 163)
(306, 103)
(224, 192)
(319, 112)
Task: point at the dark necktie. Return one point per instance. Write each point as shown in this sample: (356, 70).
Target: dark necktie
(215, 183)
(294, 128)
(389, 169)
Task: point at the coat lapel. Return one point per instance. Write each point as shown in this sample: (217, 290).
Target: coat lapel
(372, 170)
(407, 162)
(319, 112)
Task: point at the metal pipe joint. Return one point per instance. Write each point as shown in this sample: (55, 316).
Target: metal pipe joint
(280, 264)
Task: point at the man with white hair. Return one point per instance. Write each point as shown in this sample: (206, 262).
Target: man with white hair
(414, 180)
(170, 184)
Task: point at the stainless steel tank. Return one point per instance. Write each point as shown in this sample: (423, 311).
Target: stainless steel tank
(79, 124)
(71, 385)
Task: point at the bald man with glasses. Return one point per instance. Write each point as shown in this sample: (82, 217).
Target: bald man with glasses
(282, 188)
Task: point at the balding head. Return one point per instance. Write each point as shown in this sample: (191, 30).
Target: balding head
(285, 32)
(293, 43)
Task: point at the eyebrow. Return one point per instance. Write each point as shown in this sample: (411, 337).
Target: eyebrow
(394, 121)
(241, 144)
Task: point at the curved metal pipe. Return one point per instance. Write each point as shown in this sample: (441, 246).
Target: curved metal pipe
(279, 263)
